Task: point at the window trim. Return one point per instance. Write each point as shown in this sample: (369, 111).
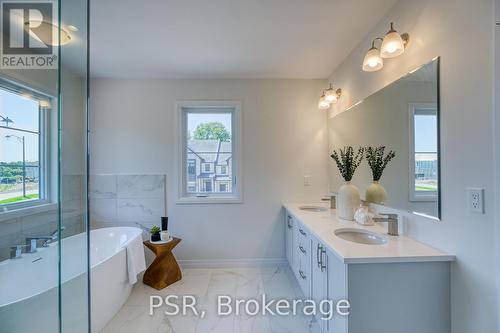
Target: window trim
(181, 136)
(43, 147)
(420, 196)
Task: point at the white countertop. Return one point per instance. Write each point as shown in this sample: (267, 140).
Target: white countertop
(397, 249)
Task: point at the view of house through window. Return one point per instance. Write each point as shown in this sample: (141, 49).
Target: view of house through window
(20, 136)
(209, 152)
(425, 150)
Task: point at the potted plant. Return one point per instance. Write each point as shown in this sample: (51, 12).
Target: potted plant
(155, 233)
(348, 196)
(377, 161)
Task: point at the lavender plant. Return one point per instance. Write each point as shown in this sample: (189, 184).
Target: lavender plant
(377, 161)
(347, 161)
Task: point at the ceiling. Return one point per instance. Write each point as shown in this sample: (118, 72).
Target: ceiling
(227, 38)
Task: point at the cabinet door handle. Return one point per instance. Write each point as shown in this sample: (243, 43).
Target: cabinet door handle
(317, 255)
(288, 222)
(302, 275)
(302, 249)
(323, 266)
(302, 232)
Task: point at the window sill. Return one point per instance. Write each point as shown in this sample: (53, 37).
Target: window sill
(27, 211)
(209, 200)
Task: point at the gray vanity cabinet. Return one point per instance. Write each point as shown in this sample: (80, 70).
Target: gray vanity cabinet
(298, 253)
(385, 297)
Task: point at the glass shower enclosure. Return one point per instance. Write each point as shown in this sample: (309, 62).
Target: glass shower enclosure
(44, 228)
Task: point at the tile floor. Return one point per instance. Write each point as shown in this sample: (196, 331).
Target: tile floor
(205, 285)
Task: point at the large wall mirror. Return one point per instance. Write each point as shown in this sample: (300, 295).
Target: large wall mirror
(403, 117)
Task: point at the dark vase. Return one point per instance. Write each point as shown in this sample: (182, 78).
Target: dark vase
(155, 237)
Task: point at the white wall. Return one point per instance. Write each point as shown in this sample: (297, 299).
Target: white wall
(461, 32)
(284, 138)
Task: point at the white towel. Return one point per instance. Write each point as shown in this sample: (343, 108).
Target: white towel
(136, 261)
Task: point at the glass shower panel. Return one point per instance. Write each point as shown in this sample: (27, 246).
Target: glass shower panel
(73, 167)
(44, 284)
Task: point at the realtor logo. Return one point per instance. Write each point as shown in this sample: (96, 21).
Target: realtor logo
(28, 35)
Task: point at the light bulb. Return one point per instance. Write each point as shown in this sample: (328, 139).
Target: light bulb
(392, 45)
(331, 95)
(323, 104)
(373, 62)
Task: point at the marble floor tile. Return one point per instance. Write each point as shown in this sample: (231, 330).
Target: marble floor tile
(206, 285)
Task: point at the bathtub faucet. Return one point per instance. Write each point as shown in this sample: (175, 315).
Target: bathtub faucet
(31, 242)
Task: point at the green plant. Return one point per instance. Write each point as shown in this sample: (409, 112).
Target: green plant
(377, 161)
(212, 131)
(347, 161)
(155, 230)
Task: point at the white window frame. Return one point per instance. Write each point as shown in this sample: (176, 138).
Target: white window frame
(418, 196)
(44, 150)
(212, 106)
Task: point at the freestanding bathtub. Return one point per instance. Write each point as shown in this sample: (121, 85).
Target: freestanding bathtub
(29, 286)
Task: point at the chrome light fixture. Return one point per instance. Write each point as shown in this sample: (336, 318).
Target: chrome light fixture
(393, 45)
(373, 61)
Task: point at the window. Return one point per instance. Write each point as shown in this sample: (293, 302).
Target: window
(23, 130)
(423, 152)
(209, 135)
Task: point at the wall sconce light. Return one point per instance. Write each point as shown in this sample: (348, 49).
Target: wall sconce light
(323, 104)
(373, 61)
(393, 45)
(329, 97)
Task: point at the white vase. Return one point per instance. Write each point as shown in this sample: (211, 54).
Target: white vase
(375, 193)
(347, 201)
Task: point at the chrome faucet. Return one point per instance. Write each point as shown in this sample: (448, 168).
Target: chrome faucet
(31, 242)
(392, 223)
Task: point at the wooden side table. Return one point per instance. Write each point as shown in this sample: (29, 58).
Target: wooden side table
(164, 270)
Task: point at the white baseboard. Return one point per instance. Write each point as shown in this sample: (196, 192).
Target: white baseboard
(228, 263)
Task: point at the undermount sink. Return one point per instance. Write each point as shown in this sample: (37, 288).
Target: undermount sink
(361, 236)
(313, 208)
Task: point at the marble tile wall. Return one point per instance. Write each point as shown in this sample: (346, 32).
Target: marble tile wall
(126, 200)
(15, 230)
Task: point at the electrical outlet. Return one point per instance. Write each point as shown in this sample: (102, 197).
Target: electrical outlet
(475, 200)
(307, 180)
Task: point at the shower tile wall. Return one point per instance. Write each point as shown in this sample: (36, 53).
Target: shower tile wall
(15, 230)
(126, 200)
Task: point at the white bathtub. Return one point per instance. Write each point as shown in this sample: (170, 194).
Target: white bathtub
(29, 292)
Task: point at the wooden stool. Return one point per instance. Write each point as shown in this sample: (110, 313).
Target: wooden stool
(164, 270)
